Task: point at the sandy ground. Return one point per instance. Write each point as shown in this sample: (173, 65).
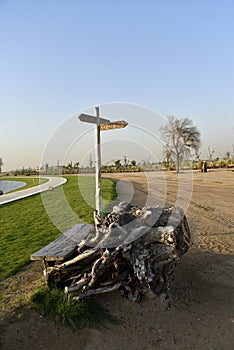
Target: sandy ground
(202, 286)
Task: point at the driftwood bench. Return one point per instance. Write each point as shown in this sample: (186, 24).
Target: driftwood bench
(134, 250)
(64, 246)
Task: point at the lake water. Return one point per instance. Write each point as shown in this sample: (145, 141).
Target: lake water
(7, 186)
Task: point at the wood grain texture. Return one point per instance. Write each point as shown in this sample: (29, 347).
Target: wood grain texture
(65, 245)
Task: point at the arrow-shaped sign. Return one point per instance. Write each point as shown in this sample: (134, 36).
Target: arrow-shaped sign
(113, 125)
(91, 119)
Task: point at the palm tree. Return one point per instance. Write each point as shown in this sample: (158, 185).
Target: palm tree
(168, 156)
(118, 163)
(76, 166)
(181, 137)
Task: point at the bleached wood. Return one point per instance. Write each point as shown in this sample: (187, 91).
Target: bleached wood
(65, 245)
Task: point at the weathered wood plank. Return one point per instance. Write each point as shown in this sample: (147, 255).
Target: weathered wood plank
(65, 245)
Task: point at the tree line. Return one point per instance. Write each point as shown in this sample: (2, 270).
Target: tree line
(181, 143)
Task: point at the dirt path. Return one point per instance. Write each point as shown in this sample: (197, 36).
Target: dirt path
(202, 287)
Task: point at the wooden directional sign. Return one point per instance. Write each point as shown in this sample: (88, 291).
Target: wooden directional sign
(91, 119)
(101, 124)
(113, 125)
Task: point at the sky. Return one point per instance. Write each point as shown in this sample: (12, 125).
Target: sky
(155, 58)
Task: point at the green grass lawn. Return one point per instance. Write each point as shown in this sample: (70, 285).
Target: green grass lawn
(30, 181)
(25, 226)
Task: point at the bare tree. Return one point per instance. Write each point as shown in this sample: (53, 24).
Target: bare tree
(211, 153)
(1, 164)
(181, 137)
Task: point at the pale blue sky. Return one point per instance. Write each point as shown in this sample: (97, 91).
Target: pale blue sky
(60, 57)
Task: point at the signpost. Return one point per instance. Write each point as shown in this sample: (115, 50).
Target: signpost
(101, 124)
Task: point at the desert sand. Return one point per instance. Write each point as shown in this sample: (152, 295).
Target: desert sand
(202, 286)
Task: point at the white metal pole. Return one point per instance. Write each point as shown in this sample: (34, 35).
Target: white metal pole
(98, 166)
